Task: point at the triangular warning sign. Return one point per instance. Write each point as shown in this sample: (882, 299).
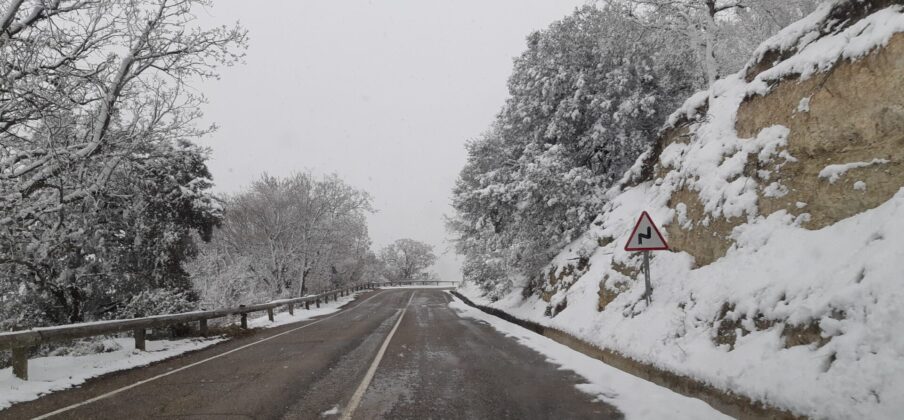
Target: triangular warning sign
(645, 236)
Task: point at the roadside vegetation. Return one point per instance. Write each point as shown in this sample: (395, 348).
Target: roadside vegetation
(586, 99)
(106, 202)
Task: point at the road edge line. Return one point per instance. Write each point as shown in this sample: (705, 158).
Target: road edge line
(162, 375)
(372, 370)
(727, 402)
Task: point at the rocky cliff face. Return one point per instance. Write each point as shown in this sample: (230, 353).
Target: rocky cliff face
(845, 140)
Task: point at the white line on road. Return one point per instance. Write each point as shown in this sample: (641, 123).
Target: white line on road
(359, 393)
(142, 382)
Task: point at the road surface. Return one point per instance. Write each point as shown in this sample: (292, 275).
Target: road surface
(393, 354)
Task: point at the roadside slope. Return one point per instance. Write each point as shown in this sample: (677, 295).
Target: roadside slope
(781, 192)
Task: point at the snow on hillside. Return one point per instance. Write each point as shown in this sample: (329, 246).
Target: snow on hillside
(816, 313)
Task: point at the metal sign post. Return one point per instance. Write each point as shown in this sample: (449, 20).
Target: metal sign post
(648, 288)
(646, 237)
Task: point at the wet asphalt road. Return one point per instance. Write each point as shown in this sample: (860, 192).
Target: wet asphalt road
(436, 365)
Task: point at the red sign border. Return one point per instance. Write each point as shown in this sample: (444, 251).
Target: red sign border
(665, 246)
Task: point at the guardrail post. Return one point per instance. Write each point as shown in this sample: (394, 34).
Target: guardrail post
(318, 302)
(291, 308)
(270, 314)
(139, 335)
(307, 305)
(244, 318)
(20, 362)
(202, 327)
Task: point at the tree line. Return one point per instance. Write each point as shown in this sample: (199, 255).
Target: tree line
(287, 237)
(586, 98)
(106, 207)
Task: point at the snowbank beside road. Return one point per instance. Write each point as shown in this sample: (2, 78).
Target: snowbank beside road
(301, 314)
(778, 282)
(635, 397)
(55, 373)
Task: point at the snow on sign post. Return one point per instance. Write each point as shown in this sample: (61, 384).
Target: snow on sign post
(646, 237)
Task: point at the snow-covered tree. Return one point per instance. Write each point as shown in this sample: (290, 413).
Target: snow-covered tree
(586, 98)
(407, 259)
(99, 185)
(721, 33)
(283, 237)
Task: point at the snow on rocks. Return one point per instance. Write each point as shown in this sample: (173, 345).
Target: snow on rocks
(804, 104)
(778, 278)
(833, 172)
(814, 51)
(807, 320)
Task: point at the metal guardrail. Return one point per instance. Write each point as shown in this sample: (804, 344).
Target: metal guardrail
(19, 342)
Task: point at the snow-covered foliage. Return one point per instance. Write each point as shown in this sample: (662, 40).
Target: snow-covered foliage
(586, 98)
(407, 259)
(284, 237)
(720, 33)
(100, 186)
(803, 319)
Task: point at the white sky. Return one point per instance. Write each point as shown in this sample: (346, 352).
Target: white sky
(383, 93)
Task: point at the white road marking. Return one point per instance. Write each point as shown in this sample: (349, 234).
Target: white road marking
(142, 382)
(369, 376)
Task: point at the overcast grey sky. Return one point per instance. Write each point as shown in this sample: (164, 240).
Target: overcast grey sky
(383, 93)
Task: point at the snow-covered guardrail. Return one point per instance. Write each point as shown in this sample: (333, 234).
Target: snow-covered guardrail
(19, 342)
